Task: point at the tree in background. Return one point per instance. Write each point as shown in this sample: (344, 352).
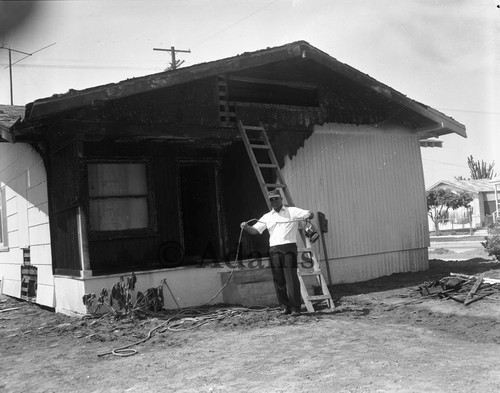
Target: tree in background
(441, 200)
(480, 170)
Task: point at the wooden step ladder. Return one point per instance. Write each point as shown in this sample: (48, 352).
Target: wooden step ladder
(257, 145)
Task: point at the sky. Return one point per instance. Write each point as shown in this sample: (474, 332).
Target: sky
(442, 53)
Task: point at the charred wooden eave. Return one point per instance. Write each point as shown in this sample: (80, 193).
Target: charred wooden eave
(288, 65)
(97, 130)
(74, 99)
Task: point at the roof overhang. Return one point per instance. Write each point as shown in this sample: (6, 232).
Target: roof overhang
(444, 124)
(473, 186)
(438, 124)
(9, 116)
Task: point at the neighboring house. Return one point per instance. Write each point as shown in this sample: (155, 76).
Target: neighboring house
(496, 185)
(24, 220)
(481, 208)
(149, 175)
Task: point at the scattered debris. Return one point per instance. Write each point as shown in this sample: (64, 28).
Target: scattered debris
(9, 309)
(487, 280)
(461, 288)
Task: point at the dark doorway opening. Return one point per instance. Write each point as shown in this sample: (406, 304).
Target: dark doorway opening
(200, 212)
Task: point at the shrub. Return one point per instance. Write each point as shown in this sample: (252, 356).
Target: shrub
(119, 300)
(492, 242)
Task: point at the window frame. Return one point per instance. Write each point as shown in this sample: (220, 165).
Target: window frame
(151, 229)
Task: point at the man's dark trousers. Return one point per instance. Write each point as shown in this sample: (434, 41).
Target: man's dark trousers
(286, 282)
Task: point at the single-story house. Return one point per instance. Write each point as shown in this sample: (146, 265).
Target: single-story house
(496, 185)
(481, 208)
(150, 175)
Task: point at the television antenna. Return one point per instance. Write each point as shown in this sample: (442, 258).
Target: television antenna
(11, 63)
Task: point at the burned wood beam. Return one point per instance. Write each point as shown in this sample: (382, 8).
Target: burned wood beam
(293, 84)
(28, 134)
(431, 143)
(94, 130)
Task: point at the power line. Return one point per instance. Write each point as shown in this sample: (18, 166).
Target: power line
(10, 64)
(233, 24)
(32, 53)
(94, 67)
(445, 163)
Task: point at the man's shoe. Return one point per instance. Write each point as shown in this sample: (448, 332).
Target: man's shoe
(295, 313)
(286, 311)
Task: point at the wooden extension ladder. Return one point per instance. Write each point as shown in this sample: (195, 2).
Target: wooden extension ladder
(257, 145)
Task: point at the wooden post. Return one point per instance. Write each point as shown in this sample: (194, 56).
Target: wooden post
(323, 228)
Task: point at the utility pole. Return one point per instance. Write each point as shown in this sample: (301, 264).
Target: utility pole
(11, 64)
(175, 63)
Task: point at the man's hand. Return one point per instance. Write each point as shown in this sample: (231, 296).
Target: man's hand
(249, 229)
(311, 215)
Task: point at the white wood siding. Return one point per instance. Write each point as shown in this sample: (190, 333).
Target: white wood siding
(370, 185)
(23, 177)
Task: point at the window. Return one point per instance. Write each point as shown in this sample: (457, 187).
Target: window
(119, 199)
(3, 220)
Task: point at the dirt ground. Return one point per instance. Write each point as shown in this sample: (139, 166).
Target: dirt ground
(383, 337)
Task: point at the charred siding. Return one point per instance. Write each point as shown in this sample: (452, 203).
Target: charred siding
(64, 191)
(194, 103)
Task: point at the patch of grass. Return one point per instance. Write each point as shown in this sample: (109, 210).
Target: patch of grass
(442, 250)
(455, 238)
(454, 232)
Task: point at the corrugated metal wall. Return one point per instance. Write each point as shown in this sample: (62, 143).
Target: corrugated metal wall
(370, 185)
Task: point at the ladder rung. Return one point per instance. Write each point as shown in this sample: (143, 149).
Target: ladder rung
(232, 114)
(319, 297)
(304, 250)
(268, 165)
(253, 146)
(306, 274)
(253, 128)
(275, 185)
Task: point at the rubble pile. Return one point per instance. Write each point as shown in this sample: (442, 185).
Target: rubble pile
(461, 288)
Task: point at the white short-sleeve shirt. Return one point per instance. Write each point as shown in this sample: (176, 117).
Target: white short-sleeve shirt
(282, 226)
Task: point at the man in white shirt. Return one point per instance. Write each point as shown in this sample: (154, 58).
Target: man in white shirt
(282, 224)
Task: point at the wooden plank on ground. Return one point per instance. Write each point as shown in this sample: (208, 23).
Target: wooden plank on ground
(453, 298)
(467, 302)
(487, 280)
(9, 309)
(474, 288)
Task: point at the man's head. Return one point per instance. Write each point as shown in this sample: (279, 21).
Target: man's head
(274, 197)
